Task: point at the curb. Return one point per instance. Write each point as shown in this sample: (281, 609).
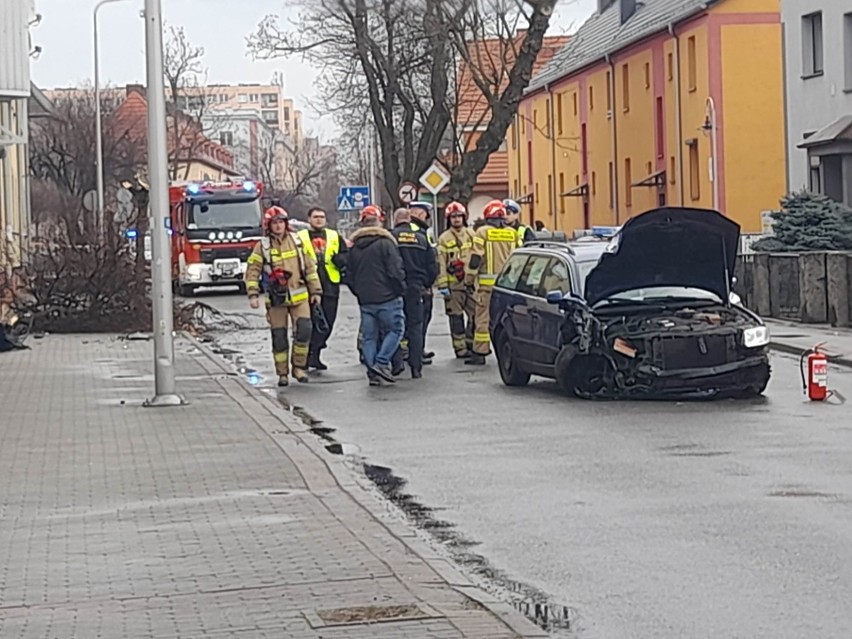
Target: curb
(405, 533)
(792, 349)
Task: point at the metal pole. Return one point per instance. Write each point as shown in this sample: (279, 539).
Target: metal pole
(99, 145)
(714, 161)
(158, 176)
(374, 199)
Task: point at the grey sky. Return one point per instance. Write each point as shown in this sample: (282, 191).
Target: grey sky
(220, 26)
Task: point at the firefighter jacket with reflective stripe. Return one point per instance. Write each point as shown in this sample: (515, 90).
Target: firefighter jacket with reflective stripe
(332, 248)
(274, 255)
(454, 249)
(492, 245)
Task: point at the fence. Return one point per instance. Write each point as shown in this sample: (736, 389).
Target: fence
(813, 288)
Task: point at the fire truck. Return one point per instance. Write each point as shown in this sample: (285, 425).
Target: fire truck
(214, 227)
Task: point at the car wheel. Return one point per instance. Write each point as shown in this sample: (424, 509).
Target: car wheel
(756, 386)
(510, 372)
(242, 289)
(187, 290)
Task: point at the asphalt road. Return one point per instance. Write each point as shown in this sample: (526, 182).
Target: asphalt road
(644, 519)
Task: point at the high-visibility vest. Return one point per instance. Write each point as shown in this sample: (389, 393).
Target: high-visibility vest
(428, 232)
(522, 233)
(332, 248)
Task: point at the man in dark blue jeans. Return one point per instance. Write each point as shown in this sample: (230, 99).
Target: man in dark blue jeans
(377, 278)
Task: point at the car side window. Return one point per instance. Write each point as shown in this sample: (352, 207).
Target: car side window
(556, 278)
(512, 272)
(532, 274)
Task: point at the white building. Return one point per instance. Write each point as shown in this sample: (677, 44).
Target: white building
(818, 57)
(248, 137)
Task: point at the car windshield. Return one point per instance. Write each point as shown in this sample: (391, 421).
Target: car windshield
(663, 293)
(216, 215)
(584, 268)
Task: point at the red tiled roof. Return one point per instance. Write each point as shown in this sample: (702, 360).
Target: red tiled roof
(492, 59)
(130, 120)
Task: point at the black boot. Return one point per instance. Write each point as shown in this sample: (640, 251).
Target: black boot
(475, 360)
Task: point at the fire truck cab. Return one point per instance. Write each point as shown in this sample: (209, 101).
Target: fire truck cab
(214, 227)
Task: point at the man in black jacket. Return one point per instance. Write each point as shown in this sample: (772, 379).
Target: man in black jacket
(421, 269)
(376, 276)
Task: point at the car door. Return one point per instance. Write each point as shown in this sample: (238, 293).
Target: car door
(526, 309)
(504, 297)
(549, 317)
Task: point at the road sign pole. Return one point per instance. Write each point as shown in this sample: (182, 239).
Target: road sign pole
(161, 259)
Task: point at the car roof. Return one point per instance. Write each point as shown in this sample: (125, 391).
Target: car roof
(579, 251)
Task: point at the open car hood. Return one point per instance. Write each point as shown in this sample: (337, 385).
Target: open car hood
(669, 246)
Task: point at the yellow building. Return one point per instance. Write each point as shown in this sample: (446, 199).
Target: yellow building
(676, 102)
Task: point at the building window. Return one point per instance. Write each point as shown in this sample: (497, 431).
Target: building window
(815, 183)
(226, 138)
(611, 186)
(691, 64)
(694, 170)
(523, 124)
(608, 92)
(536, 193)
(574, 97)
(242, 98)
(847, 49)
(515, 191)
(661, 126)
(672, 171)
(515, 134)
(670, 66)
(628, 180)
(547, 130)
(812, 44)
(592, 98)
(254, 97)
(625, 87)
(561, 191)
(535, 119)
(594, 183)
(549, 194)
(559, 118)
(647, 75)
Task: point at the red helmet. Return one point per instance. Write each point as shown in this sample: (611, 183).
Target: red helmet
(454, 207)
(274, 213)
(495, 208)
(372, 210)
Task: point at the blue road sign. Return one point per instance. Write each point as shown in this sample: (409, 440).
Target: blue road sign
(353, 198)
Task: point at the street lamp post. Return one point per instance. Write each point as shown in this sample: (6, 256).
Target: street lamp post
(711, 128)
(99, 145)
(158, 178)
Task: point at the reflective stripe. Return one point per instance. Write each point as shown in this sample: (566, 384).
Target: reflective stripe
(289, 254)
(312, 277)
(501, 235)
(281, 358)
(482, 338)
(466, 245)
(487, 280)
(443, 249)
(442, 281)
(478, 240)
(252, 284)
(451, 244)
(298, 295)
(254, 258)
(300, 349)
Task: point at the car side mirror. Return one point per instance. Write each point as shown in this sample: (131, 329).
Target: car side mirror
(555, 297)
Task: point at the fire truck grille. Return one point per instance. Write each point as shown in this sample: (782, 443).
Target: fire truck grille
(225, 253)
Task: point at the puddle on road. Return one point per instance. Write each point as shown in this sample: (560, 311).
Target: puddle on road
(529, 601)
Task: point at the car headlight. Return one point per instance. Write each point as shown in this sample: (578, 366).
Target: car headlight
(756, 336)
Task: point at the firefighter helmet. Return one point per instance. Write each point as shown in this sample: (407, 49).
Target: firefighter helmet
(454, 207)
(495, 208)
(274, 213)
(372, 210)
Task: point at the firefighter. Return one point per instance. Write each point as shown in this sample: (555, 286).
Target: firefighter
(492, 245)
(291, 283)
(454, 249)
(329, 252)
(513, 219)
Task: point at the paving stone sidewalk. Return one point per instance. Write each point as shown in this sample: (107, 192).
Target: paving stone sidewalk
(216, 519)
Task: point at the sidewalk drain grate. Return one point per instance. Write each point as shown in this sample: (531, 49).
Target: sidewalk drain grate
(369, 614)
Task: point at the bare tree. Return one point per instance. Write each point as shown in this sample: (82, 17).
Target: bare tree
(300, 175)
(396, 60)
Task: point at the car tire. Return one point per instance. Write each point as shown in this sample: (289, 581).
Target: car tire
(756, 388)
(510, 372)
(242, 289)
(187, 290)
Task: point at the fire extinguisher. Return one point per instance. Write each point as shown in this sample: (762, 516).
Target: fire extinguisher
(816, 385)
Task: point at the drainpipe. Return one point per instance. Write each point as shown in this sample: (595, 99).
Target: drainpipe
(553, 187)
(614, 131)
(678, 111)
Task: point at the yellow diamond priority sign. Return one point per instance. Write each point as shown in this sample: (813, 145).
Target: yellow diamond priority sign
(435, 178)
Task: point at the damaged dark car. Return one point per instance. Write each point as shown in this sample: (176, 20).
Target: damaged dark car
(655, 316)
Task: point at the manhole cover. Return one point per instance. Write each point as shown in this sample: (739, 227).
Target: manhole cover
(369, 614)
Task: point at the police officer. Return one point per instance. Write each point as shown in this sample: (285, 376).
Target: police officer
(513, 219)
(454, 250)
(421, 216)
(292, 286)
(328, 251)
(420, 263)
(492, 245)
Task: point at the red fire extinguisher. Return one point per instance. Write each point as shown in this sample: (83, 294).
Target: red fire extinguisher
(816, 385)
